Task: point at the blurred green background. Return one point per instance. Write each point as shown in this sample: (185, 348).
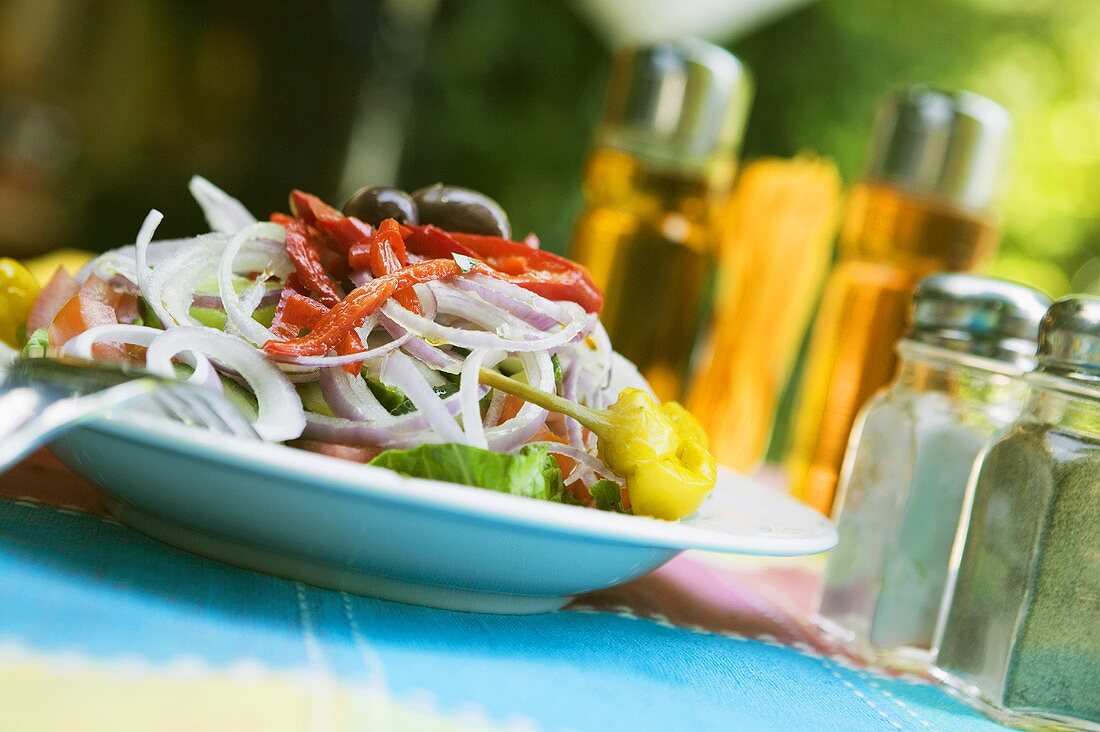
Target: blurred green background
(108, 106)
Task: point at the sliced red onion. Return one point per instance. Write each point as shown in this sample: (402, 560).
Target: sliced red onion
(496, 406)
(323, 361)
(349, 396)
(202, 300)
(469, 397)
(428, 305)
(269, 238)
(223, 212)
(361, 277)
(141, 254)
(80, 346)
(281, 416)
(351, 432)
(532, 309)
(172, 284)
(471, 339)
(468, 307)
(530, 418)
(399, 371)
(121, 262)
(573, 428)
(589, 462)
(406, 430)
(421, 350)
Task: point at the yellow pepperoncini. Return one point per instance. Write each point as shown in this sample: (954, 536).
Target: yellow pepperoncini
(660, 450)
(18, 291)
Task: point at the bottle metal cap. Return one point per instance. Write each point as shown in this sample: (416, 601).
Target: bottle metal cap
(1069, 337)
(943, 143)
(979, 316)
(681, 102)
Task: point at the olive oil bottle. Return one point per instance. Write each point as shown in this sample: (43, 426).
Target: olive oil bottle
(924, 206)
(655, 186)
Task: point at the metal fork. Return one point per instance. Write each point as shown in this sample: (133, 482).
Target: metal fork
(42, 397)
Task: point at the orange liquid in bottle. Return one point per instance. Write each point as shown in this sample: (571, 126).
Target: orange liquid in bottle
(889, 241)
(648, 238)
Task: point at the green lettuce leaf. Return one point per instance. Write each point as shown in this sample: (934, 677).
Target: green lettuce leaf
(607, 495)
(37, 344)
(395, 401)
(531, 472)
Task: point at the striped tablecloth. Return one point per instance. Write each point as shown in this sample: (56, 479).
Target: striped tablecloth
(102, 628)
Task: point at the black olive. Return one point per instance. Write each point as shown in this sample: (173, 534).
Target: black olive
(460, 209)
(375, 204)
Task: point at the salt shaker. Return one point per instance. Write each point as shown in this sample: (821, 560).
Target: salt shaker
(910, 456)
(1019, 636)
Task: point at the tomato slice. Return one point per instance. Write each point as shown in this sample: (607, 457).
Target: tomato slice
(58, 291)
(93, 304)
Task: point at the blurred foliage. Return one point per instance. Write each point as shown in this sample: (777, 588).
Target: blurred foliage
(506, 103)
(511, 91)
(107, 107)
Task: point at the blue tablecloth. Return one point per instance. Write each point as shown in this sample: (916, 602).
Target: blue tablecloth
(103, 628)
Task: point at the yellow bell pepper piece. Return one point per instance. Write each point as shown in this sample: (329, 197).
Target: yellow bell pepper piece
(18, 291)
(43, 267)
(661, 451)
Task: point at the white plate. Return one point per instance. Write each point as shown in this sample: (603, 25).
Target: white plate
(370, 531)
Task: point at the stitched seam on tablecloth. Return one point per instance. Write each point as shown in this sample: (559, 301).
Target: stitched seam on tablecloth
(898, 702)
(860, 695)
(321, 675)
(249, 668)
(861, 667)
(376, 672)
(799, 647)
(417, 698)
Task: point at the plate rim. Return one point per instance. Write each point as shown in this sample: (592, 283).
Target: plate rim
(324, 472)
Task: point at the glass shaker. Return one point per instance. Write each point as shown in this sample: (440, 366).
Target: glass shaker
(1019, 636)
(911, 455)
(924, 205)
(655, 186)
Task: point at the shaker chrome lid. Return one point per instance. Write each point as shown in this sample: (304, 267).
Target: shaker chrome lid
(1069, 337)
(980, 316)
(684, 102)
(939, 142)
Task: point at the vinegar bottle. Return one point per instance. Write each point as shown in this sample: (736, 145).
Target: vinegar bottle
(655, 186)
(924, 206)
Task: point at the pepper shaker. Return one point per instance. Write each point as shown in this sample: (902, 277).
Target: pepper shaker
(1019, 635)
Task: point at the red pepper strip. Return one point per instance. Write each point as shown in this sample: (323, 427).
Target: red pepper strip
(385, 253)
(343, 231)
(294, 312)
(543, 273)
(361, 302)
(431, 241)
(280, 218)
(307, 263)
(351, 343)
